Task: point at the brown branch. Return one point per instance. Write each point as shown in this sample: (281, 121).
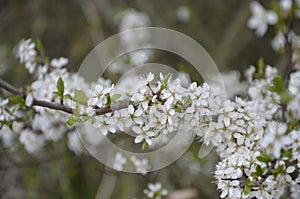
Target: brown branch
(10, 88)
(60, 107)
(53, 106)
(288, 48)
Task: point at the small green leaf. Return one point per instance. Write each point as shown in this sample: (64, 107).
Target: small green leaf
(187, 100)
(179, 109)
(254, 174)
(278, 87)
(292, 124)
(247, 190)
(278, 84)
(7, 123)
(39, 45)
(165, 81)
(144, 146)
(108, 99)
(71, 121)
(69, 96)
(81, 97)
(60, 86)
(259, 170)
(287, 153)
(279, 170)
(115, 97)
(77, 111)
(17, 99)
(260, 68)
(264, 158)
(285, 96)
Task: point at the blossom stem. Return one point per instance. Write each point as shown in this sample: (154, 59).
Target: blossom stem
(60, 107)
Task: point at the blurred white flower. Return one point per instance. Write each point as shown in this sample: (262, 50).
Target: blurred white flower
(261, 18)
(286, 5)
(26, 53)
(74, 143)
(155, 191)
(183, 14)
(60, 62)
(119, 162)
(141, 165)
(31, 141)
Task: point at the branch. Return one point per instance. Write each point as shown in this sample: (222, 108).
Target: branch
(60, 107)
(288, 47)
(10, 88)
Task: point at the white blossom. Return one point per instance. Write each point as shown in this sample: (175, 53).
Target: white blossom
(26, 53)
(183, 14)
(261, 18)
(60, 62)
(141, 165)
(74, 143)
(119, 162)
(155, 191)
(31, 141)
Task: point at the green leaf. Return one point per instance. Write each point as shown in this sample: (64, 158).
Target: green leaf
(254, 174)
(81, 97)
(258, 170)
(287, 153)
(7, 123)
(260, 69)
(77, 111)
(264, 158)
(108, 99)
(248, 186)
(115, 97)
(144, 146)
(60, 86)
(165, 81)
(71, 121)
(278, 86)
(292, 124)
(179, 109)
(247, 190)
(279, 170)
(69, 96)
(285, 96)
(187, 100)
(17, 99)
(39, 45)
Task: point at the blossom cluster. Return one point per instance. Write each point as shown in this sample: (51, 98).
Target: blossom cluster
(256, 137)
(155, 191)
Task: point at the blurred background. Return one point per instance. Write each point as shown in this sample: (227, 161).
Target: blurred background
(72, 28)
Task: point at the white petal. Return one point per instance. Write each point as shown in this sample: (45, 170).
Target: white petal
(148, 140)
(136, 129)
(290, 169)
(138, 139)
(29, 100)
(272, 18)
